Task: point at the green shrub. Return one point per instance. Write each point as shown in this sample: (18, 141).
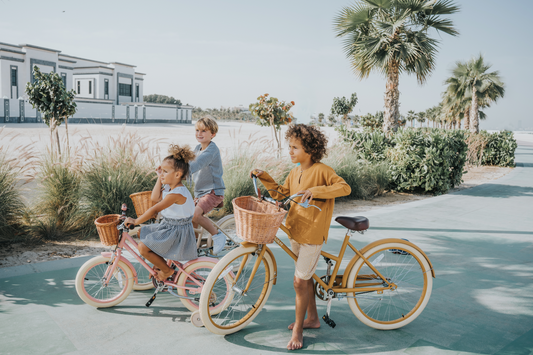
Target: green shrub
(371, 146)
(12, 207)
(491, 148)
(427, 161)
(500, 149)
(367, 179)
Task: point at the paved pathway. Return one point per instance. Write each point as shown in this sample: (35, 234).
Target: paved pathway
(480, 241)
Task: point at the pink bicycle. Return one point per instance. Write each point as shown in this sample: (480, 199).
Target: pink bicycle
(106, 280)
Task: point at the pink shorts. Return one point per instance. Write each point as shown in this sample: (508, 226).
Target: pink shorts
(209, 201)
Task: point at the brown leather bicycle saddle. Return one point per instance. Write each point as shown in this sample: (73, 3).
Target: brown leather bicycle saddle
(354, 223)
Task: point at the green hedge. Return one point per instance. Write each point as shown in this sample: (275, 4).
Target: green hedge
(427, 161)
(496, 149)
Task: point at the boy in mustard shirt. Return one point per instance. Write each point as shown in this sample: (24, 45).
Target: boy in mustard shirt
(308, 226)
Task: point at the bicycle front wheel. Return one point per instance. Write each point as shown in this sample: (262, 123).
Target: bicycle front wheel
(234, 311)
(407, 269)
(91, 284)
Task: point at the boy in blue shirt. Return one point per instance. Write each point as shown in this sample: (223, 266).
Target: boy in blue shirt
(206, 171)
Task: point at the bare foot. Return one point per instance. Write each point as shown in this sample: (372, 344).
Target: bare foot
(308, 324)
(162, 276)
(297, 341)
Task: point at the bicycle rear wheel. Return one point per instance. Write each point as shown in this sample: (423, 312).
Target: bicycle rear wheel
(91, 287)
(401, 265)
(200, 271)
(227, 224)
(238, 308)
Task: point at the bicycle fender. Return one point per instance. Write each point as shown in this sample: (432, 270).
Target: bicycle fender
(202, 258)
(124, 260)
(352, 262)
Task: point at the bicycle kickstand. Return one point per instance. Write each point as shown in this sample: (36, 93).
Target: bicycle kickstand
(326, 317)
(160, 286)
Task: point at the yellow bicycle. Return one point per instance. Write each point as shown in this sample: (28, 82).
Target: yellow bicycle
(387, 283)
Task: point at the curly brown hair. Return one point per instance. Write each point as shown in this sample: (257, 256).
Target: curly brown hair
(313, 140)
(180, 156)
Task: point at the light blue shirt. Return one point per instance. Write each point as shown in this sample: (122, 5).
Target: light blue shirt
(206, 171)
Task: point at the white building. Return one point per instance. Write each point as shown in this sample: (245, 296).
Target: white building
(105, 92)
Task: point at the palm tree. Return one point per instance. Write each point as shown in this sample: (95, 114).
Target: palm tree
(391, 37)
(411, 116)
(479, 85)
(421, 117)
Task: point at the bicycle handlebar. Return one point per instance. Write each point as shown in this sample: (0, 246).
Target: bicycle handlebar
(305, 204)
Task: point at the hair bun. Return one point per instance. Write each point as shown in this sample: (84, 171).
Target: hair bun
(181, 152)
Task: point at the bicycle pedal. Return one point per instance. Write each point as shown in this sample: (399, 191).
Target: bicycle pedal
(150, 301)
(329, 321)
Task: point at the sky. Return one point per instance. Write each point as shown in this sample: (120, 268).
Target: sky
(212, 54)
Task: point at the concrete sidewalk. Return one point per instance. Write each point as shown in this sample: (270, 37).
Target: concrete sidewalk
(480, 242)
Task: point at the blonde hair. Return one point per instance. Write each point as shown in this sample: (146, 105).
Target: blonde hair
(180, 156)
(208, 123)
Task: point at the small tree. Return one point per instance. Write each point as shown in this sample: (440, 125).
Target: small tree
(320, 119)
(411, 116)
(372, 122)
(48, 94)
(274, 113)
(343, 107)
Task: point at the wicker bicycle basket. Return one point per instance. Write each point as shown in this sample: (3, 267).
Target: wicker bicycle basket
(142, 201)
(256, 221)
(107, 228)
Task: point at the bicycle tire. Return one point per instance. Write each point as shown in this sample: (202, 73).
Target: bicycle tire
(200, 271)
(89, 283)
(227, 224)
(238, 310)
(404, 266)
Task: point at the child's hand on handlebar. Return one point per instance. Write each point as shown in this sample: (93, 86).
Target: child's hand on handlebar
(130, 222)
(256, 172)
(307, 195)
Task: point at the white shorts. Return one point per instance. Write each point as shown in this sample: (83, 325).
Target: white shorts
(308, 255)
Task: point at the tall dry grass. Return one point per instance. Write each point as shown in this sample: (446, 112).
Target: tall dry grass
(367, 179)
(17, 167)
(249, 154)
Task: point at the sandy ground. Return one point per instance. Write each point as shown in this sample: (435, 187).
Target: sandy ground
(229, 136)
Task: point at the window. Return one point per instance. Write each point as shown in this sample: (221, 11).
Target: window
(106, 87)
(79, 89)
(137, 90)
(64, 78)
(14, 76)
(90, 87)
(124, 89)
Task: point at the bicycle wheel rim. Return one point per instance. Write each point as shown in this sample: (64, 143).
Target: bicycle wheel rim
(95, 289)
(200, 271)
(238, 309)
(407, 269)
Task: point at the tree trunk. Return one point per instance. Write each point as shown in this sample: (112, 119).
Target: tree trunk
(392, 99)
(467, 118)
(66, 128)
(474, 118)
(459, 122)
(57, 140)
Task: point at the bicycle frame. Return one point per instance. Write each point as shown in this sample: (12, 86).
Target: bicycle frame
(117, 256)
(363, 287)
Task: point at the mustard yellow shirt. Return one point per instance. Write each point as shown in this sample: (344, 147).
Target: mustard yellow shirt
(309, 225)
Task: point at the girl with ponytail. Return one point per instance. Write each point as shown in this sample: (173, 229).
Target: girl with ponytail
(173, 238)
